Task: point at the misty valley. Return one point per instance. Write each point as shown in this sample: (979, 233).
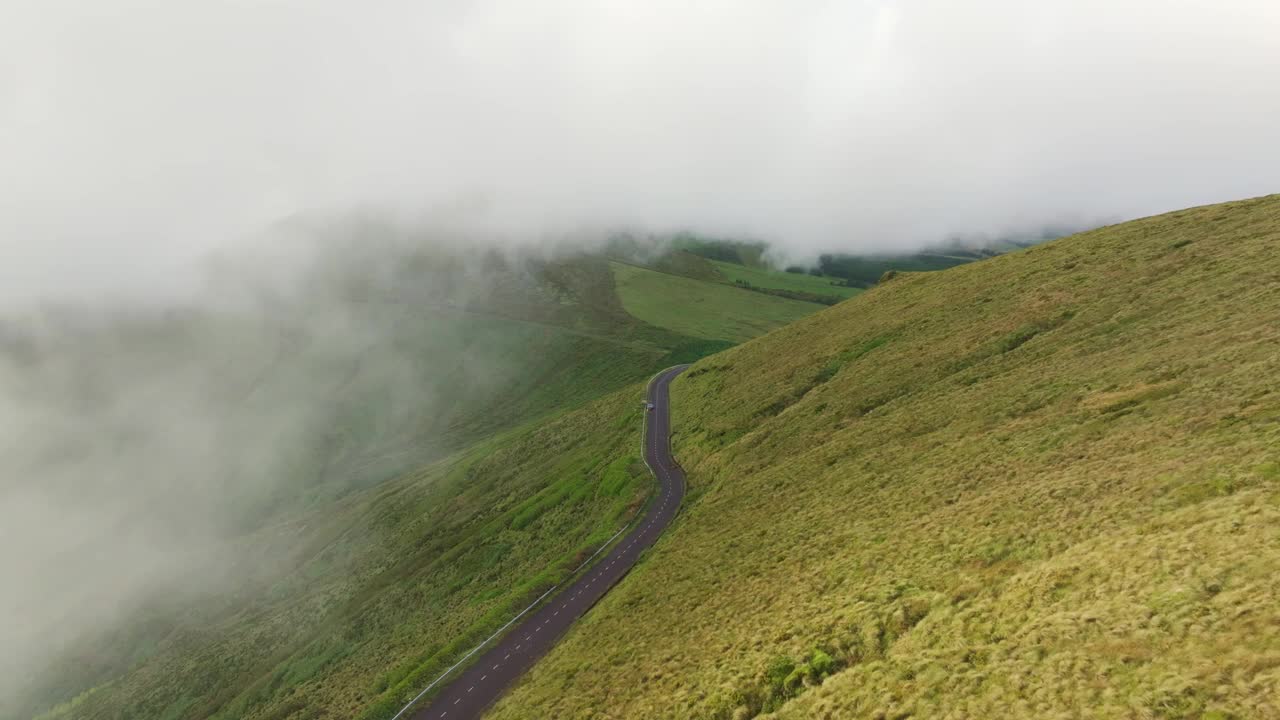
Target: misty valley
(495, 360)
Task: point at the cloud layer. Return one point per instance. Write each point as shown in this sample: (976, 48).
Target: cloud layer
(137, 134)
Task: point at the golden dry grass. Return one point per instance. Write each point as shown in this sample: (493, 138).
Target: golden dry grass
(1044, 485)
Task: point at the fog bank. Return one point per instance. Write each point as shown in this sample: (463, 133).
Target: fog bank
(147, 446)
(137, 135)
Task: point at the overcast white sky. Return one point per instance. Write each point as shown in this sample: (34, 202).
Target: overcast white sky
(137, 134)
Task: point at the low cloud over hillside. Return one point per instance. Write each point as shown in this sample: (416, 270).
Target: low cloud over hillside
(136, 134)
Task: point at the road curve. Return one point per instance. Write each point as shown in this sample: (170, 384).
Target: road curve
(469, 694)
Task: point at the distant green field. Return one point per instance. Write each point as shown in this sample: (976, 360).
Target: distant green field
(701, 309)
(776, 279)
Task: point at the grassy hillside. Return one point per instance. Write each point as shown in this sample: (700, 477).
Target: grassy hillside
(702, 309)
(1042, 485)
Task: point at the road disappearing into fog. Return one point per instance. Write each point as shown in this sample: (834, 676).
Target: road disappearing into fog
(484, 681)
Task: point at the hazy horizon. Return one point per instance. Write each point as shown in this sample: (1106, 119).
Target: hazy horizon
(140, 137)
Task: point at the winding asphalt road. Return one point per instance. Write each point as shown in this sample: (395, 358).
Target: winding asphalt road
(469, 694)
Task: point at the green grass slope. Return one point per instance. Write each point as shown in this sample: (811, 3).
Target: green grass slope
(702, 309)
(1044, 485)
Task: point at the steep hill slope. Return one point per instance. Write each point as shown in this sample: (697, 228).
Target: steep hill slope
(1042, 485)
